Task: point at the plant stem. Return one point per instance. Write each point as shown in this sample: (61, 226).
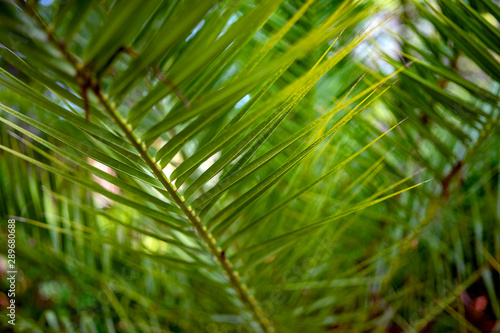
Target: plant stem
(86, 81)
(234, 278)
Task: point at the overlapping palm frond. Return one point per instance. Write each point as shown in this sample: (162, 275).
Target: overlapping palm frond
(223, 165)
(450, 94)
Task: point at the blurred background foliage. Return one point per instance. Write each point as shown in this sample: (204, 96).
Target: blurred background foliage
(279, 121)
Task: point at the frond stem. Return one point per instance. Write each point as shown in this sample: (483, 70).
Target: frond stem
(84, 78)
(211, 243)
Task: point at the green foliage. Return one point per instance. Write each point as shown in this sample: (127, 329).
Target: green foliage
(239, 166)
